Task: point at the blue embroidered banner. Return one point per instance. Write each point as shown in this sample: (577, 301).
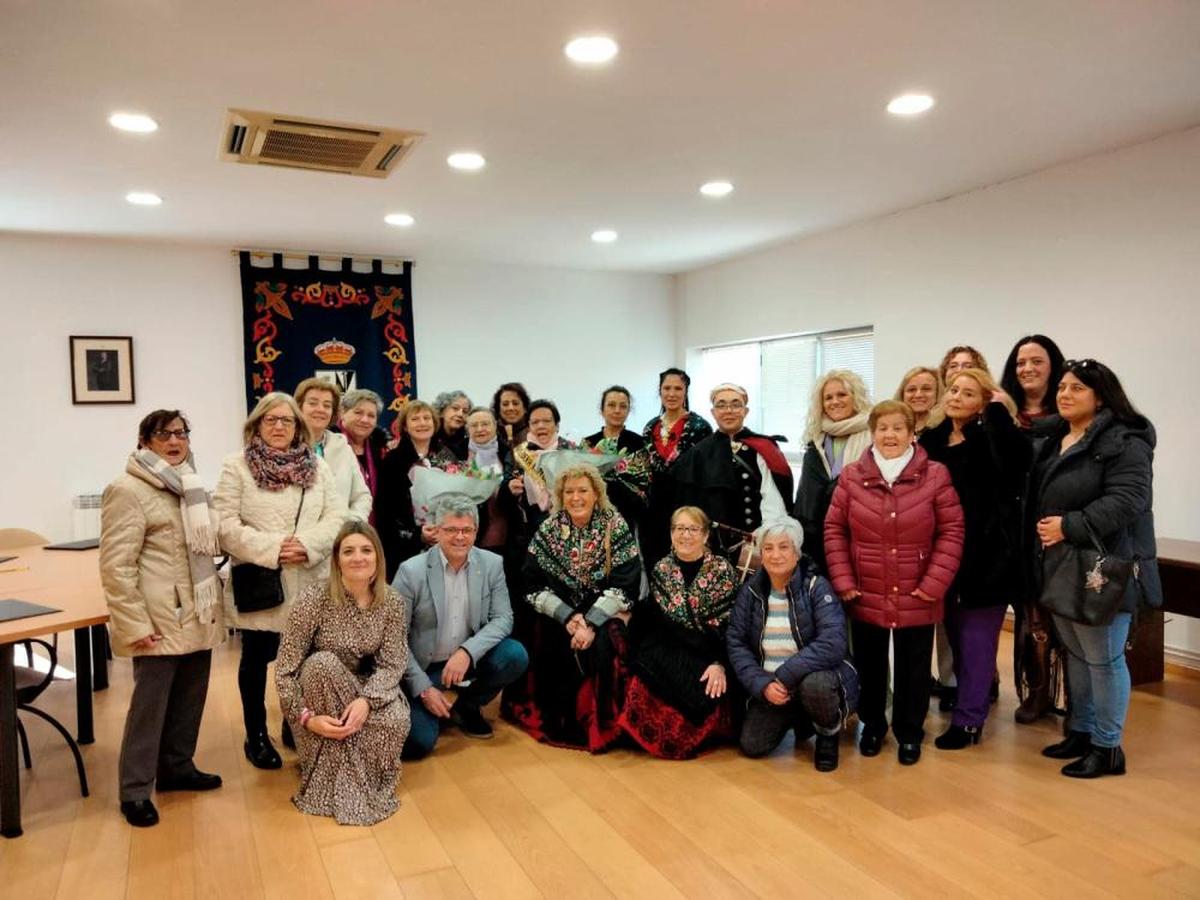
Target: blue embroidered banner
(354, 328)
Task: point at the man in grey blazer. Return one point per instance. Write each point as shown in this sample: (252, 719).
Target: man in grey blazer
(459, 622)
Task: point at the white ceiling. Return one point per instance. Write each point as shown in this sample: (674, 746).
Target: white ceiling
(782, 97)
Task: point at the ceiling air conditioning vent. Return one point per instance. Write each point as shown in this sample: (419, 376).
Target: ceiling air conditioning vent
(259, 138)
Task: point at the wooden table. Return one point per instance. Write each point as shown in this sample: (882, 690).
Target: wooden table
(68, 581)
(1179, 567)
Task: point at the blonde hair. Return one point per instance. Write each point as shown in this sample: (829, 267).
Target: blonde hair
(416, 406)
(582, 470)
(318, 384)
(988, 385)
(935, 414)
(696, 513)
(250, 429)
(379, 585)
(814, 428)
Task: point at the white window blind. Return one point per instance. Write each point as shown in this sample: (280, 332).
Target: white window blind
(854, 351)
(788, 370)
(779, 375)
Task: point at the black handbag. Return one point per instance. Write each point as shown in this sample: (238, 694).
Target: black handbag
(257, 588)
(1085, 584)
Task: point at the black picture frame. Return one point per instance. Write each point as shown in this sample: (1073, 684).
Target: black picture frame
(101, 369)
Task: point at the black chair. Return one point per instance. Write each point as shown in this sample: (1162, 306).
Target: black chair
(30, 685)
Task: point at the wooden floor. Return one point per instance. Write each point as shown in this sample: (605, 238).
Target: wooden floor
(511, 818)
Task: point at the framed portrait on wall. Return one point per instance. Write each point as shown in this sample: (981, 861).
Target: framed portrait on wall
(101, 369)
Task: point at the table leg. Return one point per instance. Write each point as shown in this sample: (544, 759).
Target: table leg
(99, 658)
(83, 685)
(10, 778)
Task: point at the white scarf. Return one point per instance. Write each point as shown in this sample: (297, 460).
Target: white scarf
(890, 469)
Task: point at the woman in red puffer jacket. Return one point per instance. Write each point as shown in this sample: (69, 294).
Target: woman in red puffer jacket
(893, 543)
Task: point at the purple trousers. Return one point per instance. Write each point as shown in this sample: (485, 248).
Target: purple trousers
(974, 636)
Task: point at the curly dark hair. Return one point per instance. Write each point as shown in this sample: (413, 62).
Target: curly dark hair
(517, 388)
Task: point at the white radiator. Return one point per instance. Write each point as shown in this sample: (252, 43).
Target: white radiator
(85, 517)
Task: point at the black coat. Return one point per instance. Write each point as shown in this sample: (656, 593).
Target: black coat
(1107, 478)
(989, 471)
(813, 496)
(394, 520)
(628, 504)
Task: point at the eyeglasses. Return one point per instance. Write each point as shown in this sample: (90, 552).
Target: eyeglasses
(165, 434)
(734, 405)
(687, 529)
(461, 531)
(285, 421)
(1078, 363)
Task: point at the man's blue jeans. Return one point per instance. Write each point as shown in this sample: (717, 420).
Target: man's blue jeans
(500, 666)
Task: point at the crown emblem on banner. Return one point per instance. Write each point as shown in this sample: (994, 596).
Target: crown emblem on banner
(334, 352)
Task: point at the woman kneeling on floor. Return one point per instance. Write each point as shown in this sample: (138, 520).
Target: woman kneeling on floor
(338, 675)
(787, 643)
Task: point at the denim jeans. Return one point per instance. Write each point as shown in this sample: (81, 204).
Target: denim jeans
(500, 666)
(1097, 677)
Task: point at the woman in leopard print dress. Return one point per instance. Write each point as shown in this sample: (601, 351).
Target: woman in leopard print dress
(338, 675)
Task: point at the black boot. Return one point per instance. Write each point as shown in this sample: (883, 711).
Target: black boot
(1077, 744)
(949, 699)
(261, 752)
(956, 737)
(1099, 761)
(826, 756)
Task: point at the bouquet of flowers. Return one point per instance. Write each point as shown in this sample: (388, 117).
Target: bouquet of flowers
(553, 462)
(631, 469)
(469, 481)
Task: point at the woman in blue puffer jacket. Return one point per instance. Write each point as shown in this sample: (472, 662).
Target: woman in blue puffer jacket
(787, 644)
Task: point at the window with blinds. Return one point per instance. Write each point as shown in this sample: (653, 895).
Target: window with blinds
(779, 375)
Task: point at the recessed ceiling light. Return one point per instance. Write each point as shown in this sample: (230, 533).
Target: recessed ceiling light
(910, 104)
(466, 161)
(593, 50)
(143, 198)
(604, 236)
(134, 122)
(716, 188)
(400, 220)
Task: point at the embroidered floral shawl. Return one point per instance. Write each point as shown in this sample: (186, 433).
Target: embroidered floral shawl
(704, 604)
(576, 558)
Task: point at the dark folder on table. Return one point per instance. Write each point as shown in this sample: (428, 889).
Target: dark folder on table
(19, 609)
(88, 544)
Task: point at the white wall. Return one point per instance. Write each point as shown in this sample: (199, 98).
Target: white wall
(566, 334)
(1102, 254)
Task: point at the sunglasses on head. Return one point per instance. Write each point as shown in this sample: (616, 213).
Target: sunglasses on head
(1078, 363)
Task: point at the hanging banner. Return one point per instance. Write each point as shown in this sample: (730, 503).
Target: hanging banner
(353, 328)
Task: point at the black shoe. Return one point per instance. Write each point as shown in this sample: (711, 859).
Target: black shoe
(261, 752)
(949, 699)
(196, 781)
(909, 754)
(470, 721)
(956, 737)
(139, 813)
(1099, 761)
(826, 756)
(286, 736)
(1076, 745)
(870, 742)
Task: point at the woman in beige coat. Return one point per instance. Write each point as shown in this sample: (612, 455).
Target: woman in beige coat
(157, 542)
(279, 509)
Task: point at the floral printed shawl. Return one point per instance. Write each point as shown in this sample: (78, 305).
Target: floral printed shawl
(706, 603)
(680, 437)
(575, 561)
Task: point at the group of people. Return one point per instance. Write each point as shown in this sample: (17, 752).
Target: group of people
(667, 588)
